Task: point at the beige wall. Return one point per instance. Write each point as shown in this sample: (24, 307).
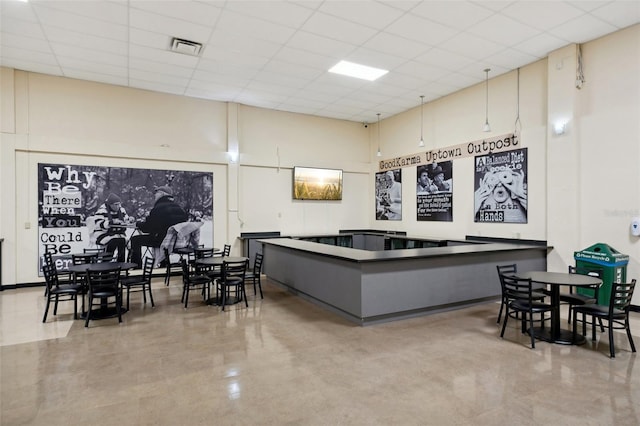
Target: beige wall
(583, 186)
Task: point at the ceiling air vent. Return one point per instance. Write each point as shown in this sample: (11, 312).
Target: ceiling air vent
(185, 47)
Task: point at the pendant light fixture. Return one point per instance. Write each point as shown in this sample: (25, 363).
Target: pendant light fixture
(518, 125)
(486, 127)
(378, 154)
(421, 143)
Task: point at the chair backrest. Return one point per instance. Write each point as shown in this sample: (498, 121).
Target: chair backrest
(507, 269)
(257, 264)
(621, 294)
(586, 271)
(234, 271)
(202, 253)
(227, 250)
(50, 275)
(109, 278)
(520, 288)
(185, 271)
(147, 268)
(104, 257)
(80, 259)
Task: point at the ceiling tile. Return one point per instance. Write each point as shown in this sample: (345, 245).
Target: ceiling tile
(286, 14)
(171, 27)
(338, 29)
(462, 16)
(420, 29)
(620, 14)
(582, 29)
(276, 53)
(503, 30)
(544, 18)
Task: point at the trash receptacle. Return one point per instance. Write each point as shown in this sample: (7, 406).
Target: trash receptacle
(607, 260)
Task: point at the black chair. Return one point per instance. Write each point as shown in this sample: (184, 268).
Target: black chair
(574, 299)
(616, 313)
(104, 285)
(511, 270)
(232, 279)
(140, 283)
(194, 281)
(104, 256)
(171, 266)
(58, 292)
(525, 303)
(226, 251)
(255, 275)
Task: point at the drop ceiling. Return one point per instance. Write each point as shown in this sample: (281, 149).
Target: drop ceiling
(275, 54)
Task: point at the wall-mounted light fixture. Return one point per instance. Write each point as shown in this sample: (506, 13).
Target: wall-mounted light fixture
(559, 127)
(421, 143)
(486, 127)
(378, 154)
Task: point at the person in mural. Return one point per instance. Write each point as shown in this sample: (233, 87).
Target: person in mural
(424, 181)
(438, 180)
(103, 226)
(391, 200)
(165, 213)
(504, 190)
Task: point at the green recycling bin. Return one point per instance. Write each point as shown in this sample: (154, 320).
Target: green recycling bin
(607, 260)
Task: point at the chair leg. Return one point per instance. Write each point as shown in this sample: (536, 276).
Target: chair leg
(223, 292)
(506, 318)
(128, 298)
(531, 333)
(612, 349)
(500, 312)
(75, 307)
(86, 322)
(55, 306)
(575, 325)
(119, 305)
(186, 296)
(260, 287)
(243, 293)
(46, 309)
(593, 327)
(150, 294)
(633, 347)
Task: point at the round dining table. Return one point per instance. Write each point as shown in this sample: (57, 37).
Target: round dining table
(103, 311)
(218, 261)
(555, 280)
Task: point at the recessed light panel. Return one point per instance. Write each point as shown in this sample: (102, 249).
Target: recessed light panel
(358, 71)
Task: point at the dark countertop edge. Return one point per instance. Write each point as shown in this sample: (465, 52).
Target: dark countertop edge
(362, 256)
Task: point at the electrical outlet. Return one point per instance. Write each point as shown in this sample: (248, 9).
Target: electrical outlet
(27, 225)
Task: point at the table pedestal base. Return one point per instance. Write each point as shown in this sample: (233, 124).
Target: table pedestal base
(565, 337)
(229, 301)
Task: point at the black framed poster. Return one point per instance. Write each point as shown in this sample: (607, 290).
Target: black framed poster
(501, 187)
(434, 192)
(79, 204)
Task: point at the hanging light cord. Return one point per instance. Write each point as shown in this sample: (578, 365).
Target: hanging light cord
(579, 71)
(422, 120)
(379, 153)
(517, 124)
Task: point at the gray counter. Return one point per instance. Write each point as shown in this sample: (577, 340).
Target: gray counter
(373, 286)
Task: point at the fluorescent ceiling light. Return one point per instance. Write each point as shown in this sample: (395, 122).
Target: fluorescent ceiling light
(358, 71)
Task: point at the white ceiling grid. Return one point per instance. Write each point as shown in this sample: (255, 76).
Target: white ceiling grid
(275, 54)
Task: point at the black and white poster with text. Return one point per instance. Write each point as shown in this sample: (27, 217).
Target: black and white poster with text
(71, 196)
(501, 187)
(389, 195)
(434, 192)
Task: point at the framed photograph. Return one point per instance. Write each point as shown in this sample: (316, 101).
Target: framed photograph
(310, 183)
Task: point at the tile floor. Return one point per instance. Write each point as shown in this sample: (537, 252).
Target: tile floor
(284, 361)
